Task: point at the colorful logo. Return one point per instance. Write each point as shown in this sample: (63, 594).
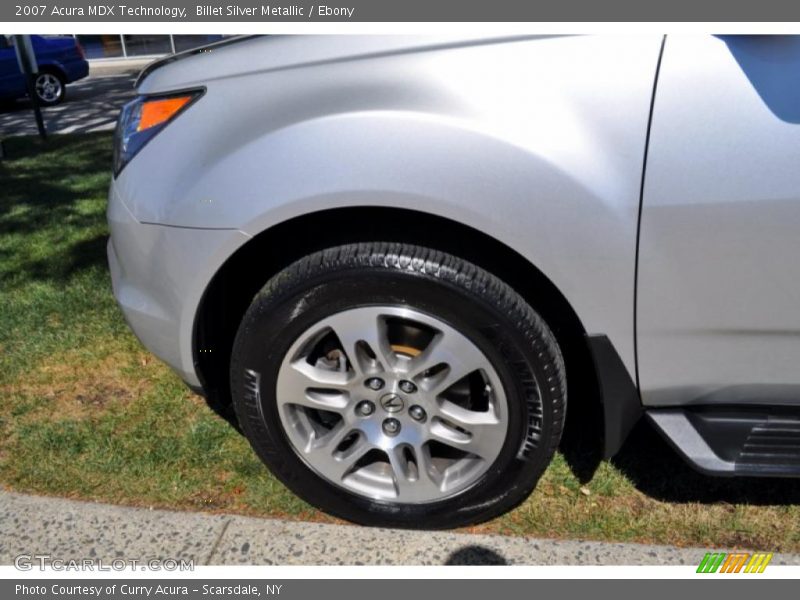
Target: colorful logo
(735, 562)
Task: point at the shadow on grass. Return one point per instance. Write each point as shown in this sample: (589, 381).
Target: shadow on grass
(223, 408)
(658, 471)
(52, 209)
(79, 256)
(581, 443)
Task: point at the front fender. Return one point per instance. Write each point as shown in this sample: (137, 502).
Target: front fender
(537, 143)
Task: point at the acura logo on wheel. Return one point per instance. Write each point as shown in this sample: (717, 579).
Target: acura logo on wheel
(392, 403)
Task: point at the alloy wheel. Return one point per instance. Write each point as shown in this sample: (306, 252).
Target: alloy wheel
(48, 88)
(392, 404)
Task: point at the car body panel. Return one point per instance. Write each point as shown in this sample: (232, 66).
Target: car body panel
(154, 272)
(544, 154)
(719, 276)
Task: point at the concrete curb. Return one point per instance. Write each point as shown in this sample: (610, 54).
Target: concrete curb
(72, 530)
(113, 67)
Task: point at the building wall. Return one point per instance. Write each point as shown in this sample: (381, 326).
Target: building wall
(131, 46)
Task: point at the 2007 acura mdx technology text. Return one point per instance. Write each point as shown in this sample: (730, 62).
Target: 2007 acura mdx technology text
(397, 255)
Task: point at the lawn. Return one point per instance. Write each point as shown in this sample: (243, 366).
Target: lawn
(86, 412)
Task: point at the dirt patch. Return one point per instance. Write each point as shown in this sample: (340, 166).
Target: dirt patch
(76, 387)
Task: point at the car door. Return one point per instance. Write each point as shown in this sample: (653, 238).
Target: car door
(718, 306)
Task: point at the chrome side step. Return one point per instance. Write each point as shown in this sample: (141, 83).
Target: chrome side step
(734, 440)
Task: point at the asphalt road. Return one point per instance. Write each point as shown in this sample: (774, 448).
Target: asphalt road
(92, 104)
(71, 530)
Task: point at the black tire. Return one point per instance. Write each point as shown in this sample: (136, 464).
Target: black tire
(510, 333)
(44, 99)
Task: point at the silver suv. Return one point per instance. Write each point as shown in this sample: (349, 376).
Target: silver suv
(395, 255)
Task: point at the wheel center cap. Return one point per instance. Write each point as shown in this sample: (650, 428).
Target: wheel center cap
(392, 403)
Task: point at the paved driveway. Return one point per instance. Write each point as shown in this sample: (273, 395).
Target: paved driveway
(92, 104)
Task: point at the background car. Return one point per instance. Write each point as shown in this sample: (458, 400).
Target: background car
(398, 255)
(60, 60)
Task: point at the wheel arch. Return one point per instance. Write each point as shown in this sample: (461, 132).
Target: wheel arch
(232, 288)
(55, 69)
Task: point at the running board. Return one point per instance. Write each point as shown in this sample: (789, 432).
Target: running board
(734, 440)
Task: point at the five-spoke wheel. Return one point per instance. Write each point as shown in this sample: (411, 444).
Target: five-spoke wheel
(49, 88)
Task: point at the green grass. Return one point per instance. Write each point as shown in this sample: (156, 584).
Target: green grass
(86, 412)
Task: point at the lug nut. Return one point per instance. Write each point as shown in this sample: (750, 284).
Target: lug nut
(408, 387)
(374, 383)
(417, 413)
(365, 408)
(391, 427)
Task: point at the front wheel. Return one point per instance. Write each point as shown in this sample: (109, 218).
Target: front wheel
(399, 386)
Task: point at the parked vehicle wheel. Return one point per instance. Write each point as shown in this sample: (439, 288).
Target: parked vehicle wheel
(395, 385)
(51, 88)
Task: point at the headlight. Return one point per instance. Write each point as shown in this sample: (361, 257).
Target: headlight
(142, 118)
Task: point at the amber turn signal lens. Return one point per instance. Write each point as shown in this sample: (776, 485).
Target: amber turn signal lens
(155, 112)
